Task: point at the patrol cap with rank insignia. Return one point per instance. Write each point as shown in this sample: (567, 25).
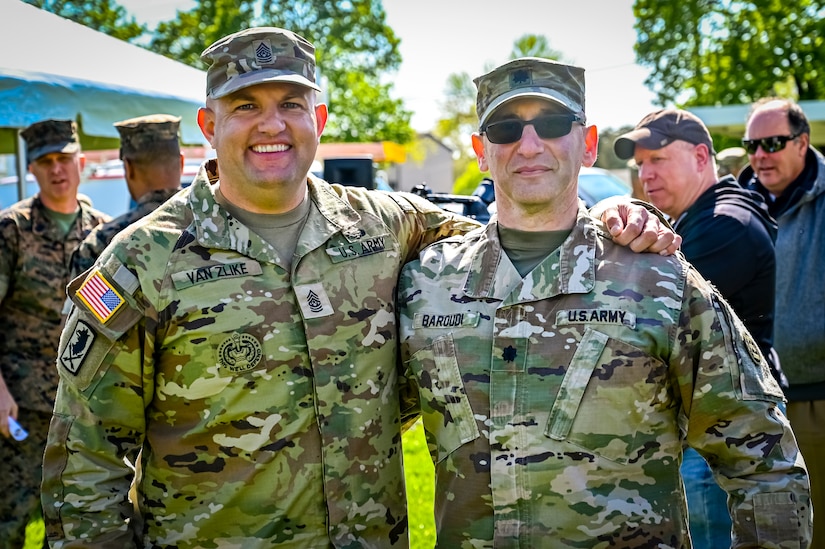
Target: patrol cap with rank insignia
(153, 134)
(258, 55)
(530, 77)
(50, 136)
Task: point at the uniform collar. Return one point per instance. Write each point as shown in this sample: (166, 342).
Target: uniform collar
(570, 269)
(213, 228)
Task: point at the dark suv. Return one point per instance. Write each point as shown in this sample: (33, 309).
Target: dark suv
(474, 206)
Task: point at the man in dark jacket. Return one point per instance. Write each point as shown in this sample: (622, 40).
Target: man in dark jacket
(790, 174)
(728, 235)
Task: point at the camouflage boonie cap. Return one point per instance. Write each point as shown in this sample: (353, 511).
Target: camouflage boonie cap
(50, 136)
(530, 77)
(151, 133)
(258, 55)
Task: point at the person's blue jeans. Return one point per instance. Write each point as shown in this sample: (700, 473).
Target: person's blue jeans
(710, 522)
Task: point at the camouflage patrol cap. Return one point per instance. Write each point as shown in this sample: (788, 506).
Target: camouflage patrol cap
(154, 133)
(257, 55)
(661, 128)
(530, 77)
(50, 136)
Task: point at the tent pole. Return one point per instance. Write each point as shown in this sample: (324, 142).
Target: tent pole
(22, 167)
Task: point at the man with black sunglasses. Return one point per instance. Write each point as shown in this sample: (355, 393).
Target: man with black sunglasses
(790, 174)
(559, 375)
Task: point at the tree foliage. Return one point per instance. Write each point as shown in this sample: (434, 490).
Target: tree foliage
(104, 15)
(718, 52)
(534, 45)
(354, 48)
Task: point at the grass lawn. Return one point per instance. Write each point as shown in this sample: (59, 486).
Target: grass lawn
(420, 494)
(418, 470)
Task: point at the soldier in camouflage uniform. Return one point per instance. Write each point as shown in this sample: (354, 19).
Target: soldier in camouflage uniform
(242, 337)
(37, 237)
(152, 166)
(559, 375)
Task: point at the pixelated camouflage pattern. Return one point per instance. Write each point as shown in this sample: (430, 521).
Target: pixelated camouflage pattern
(556, 407)
(100, 237)
(256, 55)
(263, 420)
(145, 134)
(50, 136)
(530, 76)
(22, 473)
(34, 272)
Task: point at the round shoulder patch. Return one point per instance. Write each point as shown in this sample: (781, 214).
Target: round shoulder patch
(239, 352)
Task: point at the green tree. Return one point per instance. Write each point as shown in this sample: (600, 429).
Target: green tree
(607, 159)
(533, 45)
(459, 119)
(356, 51)
(718, 52)
(104, 15)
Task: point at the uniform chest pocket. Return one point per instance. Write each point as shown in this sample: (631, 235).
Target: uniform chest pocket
(614, 401)
(445, 407)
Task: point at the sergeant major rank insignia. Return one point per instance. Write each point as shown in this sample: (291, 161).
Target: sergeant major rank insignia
(313, 300)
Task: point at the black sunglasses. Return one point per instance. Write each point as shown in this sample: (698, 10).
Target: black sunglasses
(771, 144)
(547, 126)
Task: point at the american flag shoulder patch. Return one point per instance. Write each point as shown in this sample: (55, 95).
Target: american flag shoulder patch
(100, 296)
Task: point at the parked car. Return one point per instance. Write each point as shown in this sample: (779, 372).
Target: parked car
(8, 189)
(596, 184)
(471, 206)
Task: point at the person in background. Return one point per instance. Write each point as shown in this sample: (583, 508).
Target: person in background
(728, 235)
(37, 238)
(242, 339)
(790, 174)
(152, 167)
(559, 375)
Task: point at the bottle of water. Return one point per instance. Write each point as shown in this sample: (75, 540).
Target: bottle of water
(17, 432)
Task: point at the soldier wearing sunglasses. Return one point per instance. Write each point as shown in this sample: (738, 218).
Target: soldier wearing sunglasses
(560, 375)
(790, 174)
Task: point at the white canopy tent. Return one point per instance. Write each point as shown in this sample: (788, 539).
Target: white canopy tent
(51, 67)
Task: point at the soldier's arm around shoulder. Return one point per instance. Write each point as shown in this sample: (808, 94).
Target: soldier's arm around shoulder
(732, 416)
(423, 222)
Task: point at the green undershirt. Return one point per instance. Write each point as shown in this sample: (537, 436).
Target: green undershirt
(64, 221)
(526, 249)
(279, 230)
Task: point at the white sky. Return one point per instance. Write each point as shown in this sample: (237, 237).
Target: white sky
(441, 37)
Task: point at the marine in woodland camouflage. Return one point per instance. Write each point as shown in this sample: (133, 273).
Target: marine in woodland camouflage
(264, 400)
(34, 272)
(556, 406)
(97, 240)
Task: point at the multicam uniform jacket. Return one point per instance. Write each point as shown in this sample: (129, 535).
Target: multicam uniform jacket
(264, 400)
(34, 272)
(92, 246)
(556, 405)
